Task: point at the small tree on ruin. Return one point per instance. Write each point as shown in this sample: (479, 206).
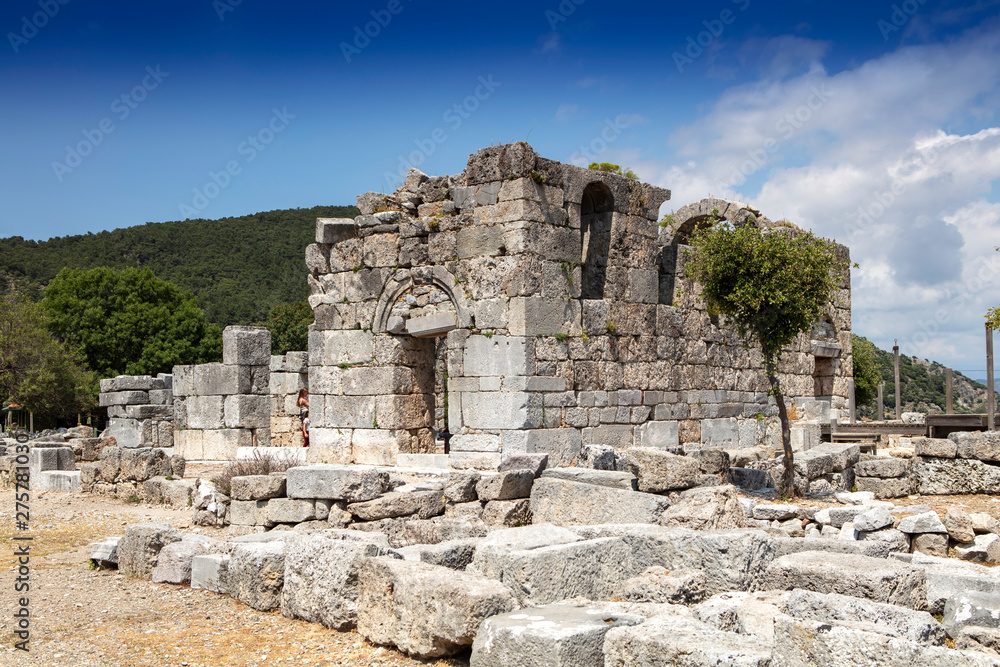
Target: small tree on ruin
(772, 285)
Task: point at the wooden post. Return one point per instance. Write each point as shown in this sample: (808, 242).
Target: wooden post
(850, 400)
(991, 396)
(948, 382)
(881, 405)
(899, 407)
(31, 422)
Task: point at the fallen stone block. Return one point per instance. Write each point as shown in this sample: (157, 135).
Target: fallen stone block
(657, 584)
(711, 508)
(610, 478)
(60, 481)
(874, 519)
(947, 577)
(210, 572)
(941, 448)
(569, 503)
(894, 541)
(681, 640)
(743, 613)
(143, 463)
(937, 477)
(249, 513)
(290, 510)
(104, 555)
(971, 608)
(492, 551)
(507, 513)
(805, 643)
(321, 575)
(658, 471)
(984, 523)
(334, 482)
(424, 504)
(882, 467)
(858, 576)
(984, 549)
(173, 566)
(557, 635)
(139, 549)
(984, 640)
(927, 522)
(872, 548)
(506, 485)
(257, 487)
(453, 554)
(982, 446)
(713, 460)
(461, 486)
(751, 479)
(918, 626)
(931, 544)
(536, 463)
(775, 512)
(424, 610)
(256, 574)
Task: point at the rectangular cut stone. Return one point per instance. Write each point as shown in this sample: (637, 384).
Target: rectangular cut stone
(205, 412)
(475, 442)
(429, 326)
(217, 380)
(499, 356)
(249, 513)
(477, 241)
(537, 316)
(377, 381)
(571, 503)
(329, 445)
(189, 444)
(610, 478)
(377, 446)
(660, 434)
(334, 230)
(722, 433)
(128, 433)
(682, 640)
(499, 410)
(124, 398)
(334, 482)
(222, 444)
(348, 412)
(208, 572)
(331, 348)
(247, 411)
(290, 510)
(246, 346)
(562, 445)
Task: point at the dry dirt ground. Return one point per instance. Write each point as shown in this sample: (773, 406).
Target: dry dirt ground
(83, 618)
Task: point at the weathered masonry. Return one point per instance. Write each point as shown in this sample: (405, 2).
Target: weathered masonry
(532, 306)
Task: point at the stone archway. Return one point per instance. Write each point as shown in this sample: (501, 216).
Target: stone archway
(694, 216)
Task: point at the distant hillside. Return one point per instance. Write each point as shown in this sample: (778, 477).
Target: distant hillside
(238, 268)
(922, 384)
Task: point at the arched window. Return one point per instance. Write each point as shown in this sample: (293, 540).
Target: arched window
(595, 230)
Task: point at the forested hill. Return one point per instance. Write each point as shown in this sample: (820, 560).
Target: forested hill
(238, 268)
(922, 387)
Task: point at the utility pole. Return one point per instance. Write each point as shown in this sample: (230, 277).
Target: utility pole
(881, 407)
(948, 381)
(991, 397)
(895, 353)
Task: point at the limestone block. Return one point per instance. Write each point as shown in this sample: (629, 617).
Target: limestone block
(561, 445)
(331, 348)
(882, 467)
(143, 463)
(947, 577)
(334, 230)
(859, 576)
(223, 444)
(423, 504)
(492, 410)
(406, 411)
(918, 626)
(149, 412)
(139, 549)
(475, 442)
(461, 486)
(499, 356)
(247, 411)
(610, 478)
(217, 379)
(660, 434)
(658, 471)
(711, 508)
(334, 482)
(980, 446)
(321, 575)
(429, 326)
(205, 412)
(128, 433)
(249, 513)
(61, 481)
(874, 519)
(536, 463)
(722, 433)
(538, 316)
(173, 566)
(507, 513)
(926, 522)
(247, 346)
(50, 458)
(104, 554)
(942, 448)
(898, 487)
(972, 608)
(954, 476)
(257, 487)
(256, 574)
(291, 510)
(124, 398)
(570, 503)
(659, 585)
(681, 640)
(209, 572)
(984, 549)
(377, 446)
(347, 412)
(807, 642)
(425, 610)
(329, 445)
(984, 523)
(959, 525)
(377, 381)
(506, 485)
(557, 635)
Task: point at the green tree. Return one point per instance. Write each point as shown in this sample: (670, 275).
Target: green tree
(129, 321)
(36, 371)
(866, 372)
(289, 326)
(772, 285)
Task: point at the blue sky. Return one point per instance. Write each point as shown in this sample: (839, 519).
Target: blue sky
(872, 123)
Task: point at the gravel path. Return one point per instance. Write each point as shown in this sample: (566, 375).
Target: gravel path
(83, 618)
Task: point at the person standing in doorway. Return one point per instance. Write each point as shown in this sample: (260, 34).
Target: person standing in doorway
(303, 404)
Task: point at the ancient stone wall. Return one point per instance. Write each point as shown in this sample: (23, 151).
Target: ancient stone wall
(289, 375)
(140, 409)
(560, 310)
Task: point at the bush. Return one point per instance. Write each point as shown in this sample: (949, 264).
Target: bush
(261, 464)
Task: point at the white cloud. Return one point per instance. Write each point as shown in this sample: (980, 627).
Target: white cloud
(565, 112)
(868, 156)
